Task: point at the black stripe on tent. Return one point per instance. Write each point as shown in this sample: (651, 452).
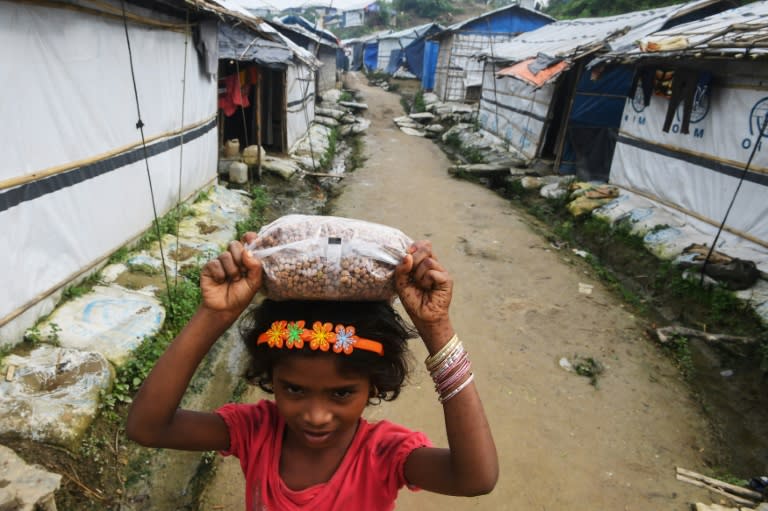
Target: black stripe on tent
(722, 168)
(301, 101)
(36, 189)
(516, 110)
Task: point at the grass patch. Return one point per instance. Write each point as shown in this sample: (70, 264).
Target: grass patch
(255, 219)
(419, 105)
(356, 157)
(326, 160)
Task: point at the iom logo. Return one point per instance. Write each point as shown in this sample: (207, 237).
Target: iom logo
(700, 105)
(638, 100)
(757, 120)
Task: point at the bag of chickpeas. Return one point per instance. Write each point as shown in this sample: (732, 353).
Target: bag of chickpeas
(308, 257)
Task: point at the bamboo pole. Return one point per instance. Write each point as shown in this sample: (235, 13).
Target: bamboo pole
(737, 232)
(732, 488)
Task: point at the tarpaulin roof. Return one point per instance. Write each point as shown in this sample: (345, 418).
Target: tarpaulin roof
(739, 31)
(485, 21)
(240, 43)
(575, 38)
(527, 71)
(411, 32)
(309, 34)
(325, 35)
(303, 55)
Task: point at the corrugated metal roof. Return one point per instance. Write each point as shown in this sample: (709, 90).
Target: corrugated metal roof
(462, 24)
(739, 31)
(575, 38)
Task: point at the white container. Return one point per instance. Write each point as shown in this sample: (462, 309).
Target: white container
(238, 172)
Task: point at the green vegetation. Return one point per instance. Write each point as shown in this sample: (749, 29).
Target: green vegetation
(419, 105)
(255, 219)
(81, 288)
(424, 8)
(681, 353)
(326, 160)
(167, 224)
(356, 156)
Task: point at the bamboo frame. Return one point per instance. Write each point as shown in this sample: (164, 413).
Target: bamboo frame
(112, 13)
(59, 169)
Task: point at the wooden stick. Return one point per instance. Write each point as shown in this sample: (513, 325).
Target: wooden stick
(664, 334)
(84, 487)
(324, 174)
(739, 490)
(715, 489)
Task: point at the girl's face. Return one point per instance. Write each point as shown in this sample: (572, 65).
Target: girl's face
(320, 405)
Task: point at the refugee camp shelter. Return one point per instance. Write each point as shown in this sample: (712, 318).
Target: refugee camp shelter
(377, 52)
(322, 44)
(266, 87)
(458, 74)
(354, 49)
(530, 84)
(694, 143)
(89, 157)
(411, 58)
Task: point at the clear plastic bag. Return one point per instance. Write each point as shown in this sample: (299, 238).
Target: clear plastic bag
(308, 257)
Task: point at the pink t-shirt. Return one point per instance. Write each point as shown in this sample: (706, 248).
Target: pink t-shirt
(368, 478)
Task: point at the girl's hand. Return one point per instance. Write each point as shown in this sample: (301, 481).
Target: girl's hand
(230, 281)
(425, 289)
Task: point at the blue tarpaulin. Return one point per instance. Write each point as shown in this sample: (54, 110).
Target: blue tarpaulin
(371, 55)
(509, 19)
(429, 67)
(594, 123)
(395, 60)
(414, 52)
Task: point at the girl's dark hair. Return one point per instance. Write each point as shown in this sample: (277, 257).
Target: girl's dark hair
(377, 321)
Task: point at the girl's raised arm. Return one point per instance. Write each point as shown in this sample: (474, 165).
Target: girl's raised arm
(470, 465)
(228, 285)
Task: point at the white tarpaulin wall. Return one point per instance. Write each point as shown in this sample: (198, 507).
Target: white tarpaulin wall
(73, 181)
(300, 94)
(515, 111)
(699, 172)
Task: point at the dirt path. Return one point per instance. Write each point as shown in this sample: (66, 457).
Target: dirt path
(563, 443)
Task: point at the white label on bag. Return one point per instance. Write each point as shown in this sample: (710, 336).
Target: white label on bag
(333, 250)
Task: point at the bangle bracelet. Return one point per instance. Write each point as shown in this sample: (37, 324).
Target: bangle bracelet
(458, 389)
(453, 378)
(433, 361)
(451, 362)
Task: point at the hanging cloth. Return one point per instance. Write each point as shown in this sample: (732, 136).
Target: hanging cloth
(234, 93)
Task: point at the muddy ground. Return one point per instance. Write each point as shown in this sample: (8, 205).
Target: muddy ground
(565, 441)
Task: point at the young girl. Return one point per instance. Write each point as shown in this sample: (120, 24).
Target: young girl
(324, 362)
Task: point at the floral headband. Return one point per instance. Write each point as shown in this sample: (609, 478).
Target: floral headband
(293, 335)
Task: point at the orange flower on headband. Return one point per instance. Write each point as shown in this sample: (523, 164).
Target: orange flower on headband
(321, 336)
(276, 334)
(295, 335)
